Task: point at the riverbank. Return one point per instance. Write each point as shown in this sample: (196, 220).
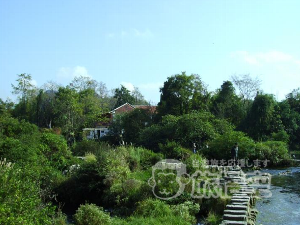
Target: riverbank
(283, 207)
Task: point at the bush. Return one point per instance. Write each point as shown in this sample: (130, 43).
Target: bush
(168, 220)
(279, 151)
(86, 184)
(60, 219)
(220, 147)
(156, 212)
(280, 136)
(172, 150)
(20, 202)
(90, 157)
(90, 214)
(195, 162)
(213, 219)
(56, 150)
(187, 211)
(85, 146)
(152, 208)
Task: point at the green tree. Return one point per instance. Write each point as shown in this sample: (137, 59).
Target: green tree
(26, 92)
(123, 96)
(219, 148)
(6, 107)
(138, 97)
(81, 83)
(92, 107)
(68, 112)
(263, 118)
(134, 122)
(180, 94)
(195, 127)
(290, 116)
(247, 86)
(24, 87)
(226, 105)
(45, 107)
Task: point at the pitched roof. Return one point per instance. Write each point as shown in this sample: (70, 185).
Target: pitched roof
(128, 107)
(123, 108)
(151, 108)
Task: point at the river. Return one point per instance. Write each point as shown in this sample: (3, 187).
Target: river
(283, 207)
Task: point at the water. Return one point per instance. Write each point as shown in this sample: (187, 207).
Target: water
(283, 208)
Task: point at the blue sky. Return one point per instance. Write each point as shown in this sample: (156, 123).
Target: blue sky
(141, 43)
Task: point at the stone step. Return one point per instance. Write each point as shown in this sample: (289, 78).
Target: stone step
(235, 212)
(235, 177)
(248, 192)
(235, 217)
(240, 203)
(227, 222)
(240, 200)
(239, 194)
(247, 187)
(236, 207)
(241, 197)
(237, 173)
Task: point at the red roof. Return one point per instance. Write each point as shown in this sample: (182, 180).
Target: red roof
(125, 108)
(128, 108)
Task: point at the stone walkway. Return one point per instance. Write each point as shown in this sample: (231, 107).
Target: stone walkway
(240, 210)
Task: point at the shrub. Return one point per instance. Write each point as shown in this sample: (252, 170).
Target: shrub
(152, 208)
(213, 219)
(172, 150)
(274, 151)
(86, 184)
(20, 202)
(90, 157)
(90, 214)
(60, 219)
(187, 211)
(168, 220)
(195, 162)
(56, 150)
(281, 135)
(85, 146)
(156, 212)
(220, 147)
(279, 151)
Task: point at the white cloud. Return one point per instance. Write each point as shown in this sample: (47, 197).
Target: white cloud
(279, 71)
(33, 82)
(265, 57)
(274, 56)
(128, 85)
(145, 34)
(244, 55)
(68, 73)
(80, 71)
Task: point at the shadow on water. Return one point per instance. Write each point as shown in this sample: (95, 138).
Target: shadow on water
(284, 205)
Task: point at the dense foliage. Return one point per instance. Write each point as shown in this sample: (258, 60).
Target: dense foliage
(47, 167)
